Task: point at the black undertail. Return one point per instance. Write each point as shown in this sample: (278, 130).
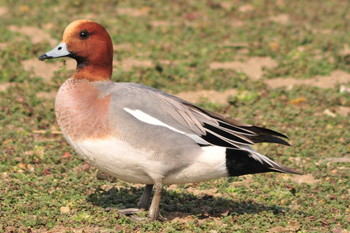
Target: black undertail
(240, 162)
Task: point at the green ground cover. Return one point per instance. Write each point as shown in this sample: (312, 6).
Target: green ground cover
(182, 46)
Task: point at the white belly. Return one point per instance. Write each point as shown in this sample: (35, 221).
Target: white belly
(119, 159)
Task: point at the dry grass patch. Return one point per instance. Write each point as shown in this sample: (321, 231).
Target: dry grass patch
(281, 19)
(335, 78)
(133, 12)
(36, 35)
(4, 86)
(304, 179)
(129, 63)
(212, 95)
(3, 11)
(252, 67)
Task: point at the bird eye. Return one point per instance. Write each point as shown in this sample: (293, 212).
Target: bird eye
(84, 34)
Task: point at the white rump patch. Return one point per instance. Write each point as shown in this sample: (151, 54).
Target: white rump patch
(144, 117)
(209, 164)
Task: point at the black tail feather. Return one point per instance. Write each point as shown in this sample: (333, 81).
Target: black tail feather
(268, 138)
(265, 131)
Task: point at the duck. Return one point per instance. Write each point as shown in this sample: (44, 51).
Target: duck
(140, 134)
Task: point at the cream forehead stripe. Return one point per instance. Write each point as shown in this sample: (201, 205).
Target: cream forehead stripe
(72, 27)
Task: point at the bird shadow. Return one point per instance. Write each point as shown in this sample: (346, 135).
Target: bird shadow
(181, 204)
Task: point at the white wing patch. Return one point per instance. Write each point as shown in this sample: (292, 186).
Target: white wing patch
(144, 117)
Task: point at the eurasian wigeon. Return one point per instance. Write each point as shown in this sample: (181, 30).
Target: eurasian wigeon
(142, 135)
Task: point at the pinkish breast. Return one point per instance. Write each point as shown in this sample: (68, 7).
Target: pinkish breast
(80, 111)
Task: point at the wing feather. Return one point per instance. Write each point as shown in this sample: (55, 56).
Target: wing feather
(183, 116)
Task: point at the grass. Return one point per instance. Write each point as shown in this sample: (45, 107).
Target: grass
(40, 173)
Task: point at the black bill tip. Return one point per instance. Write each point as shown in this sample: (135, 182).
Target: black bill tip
(44, 57)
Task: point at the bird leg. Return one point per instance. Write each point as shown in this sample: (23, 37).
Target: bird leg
(144, 200)
(154, 209)
(143, 203)
(146, 196)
